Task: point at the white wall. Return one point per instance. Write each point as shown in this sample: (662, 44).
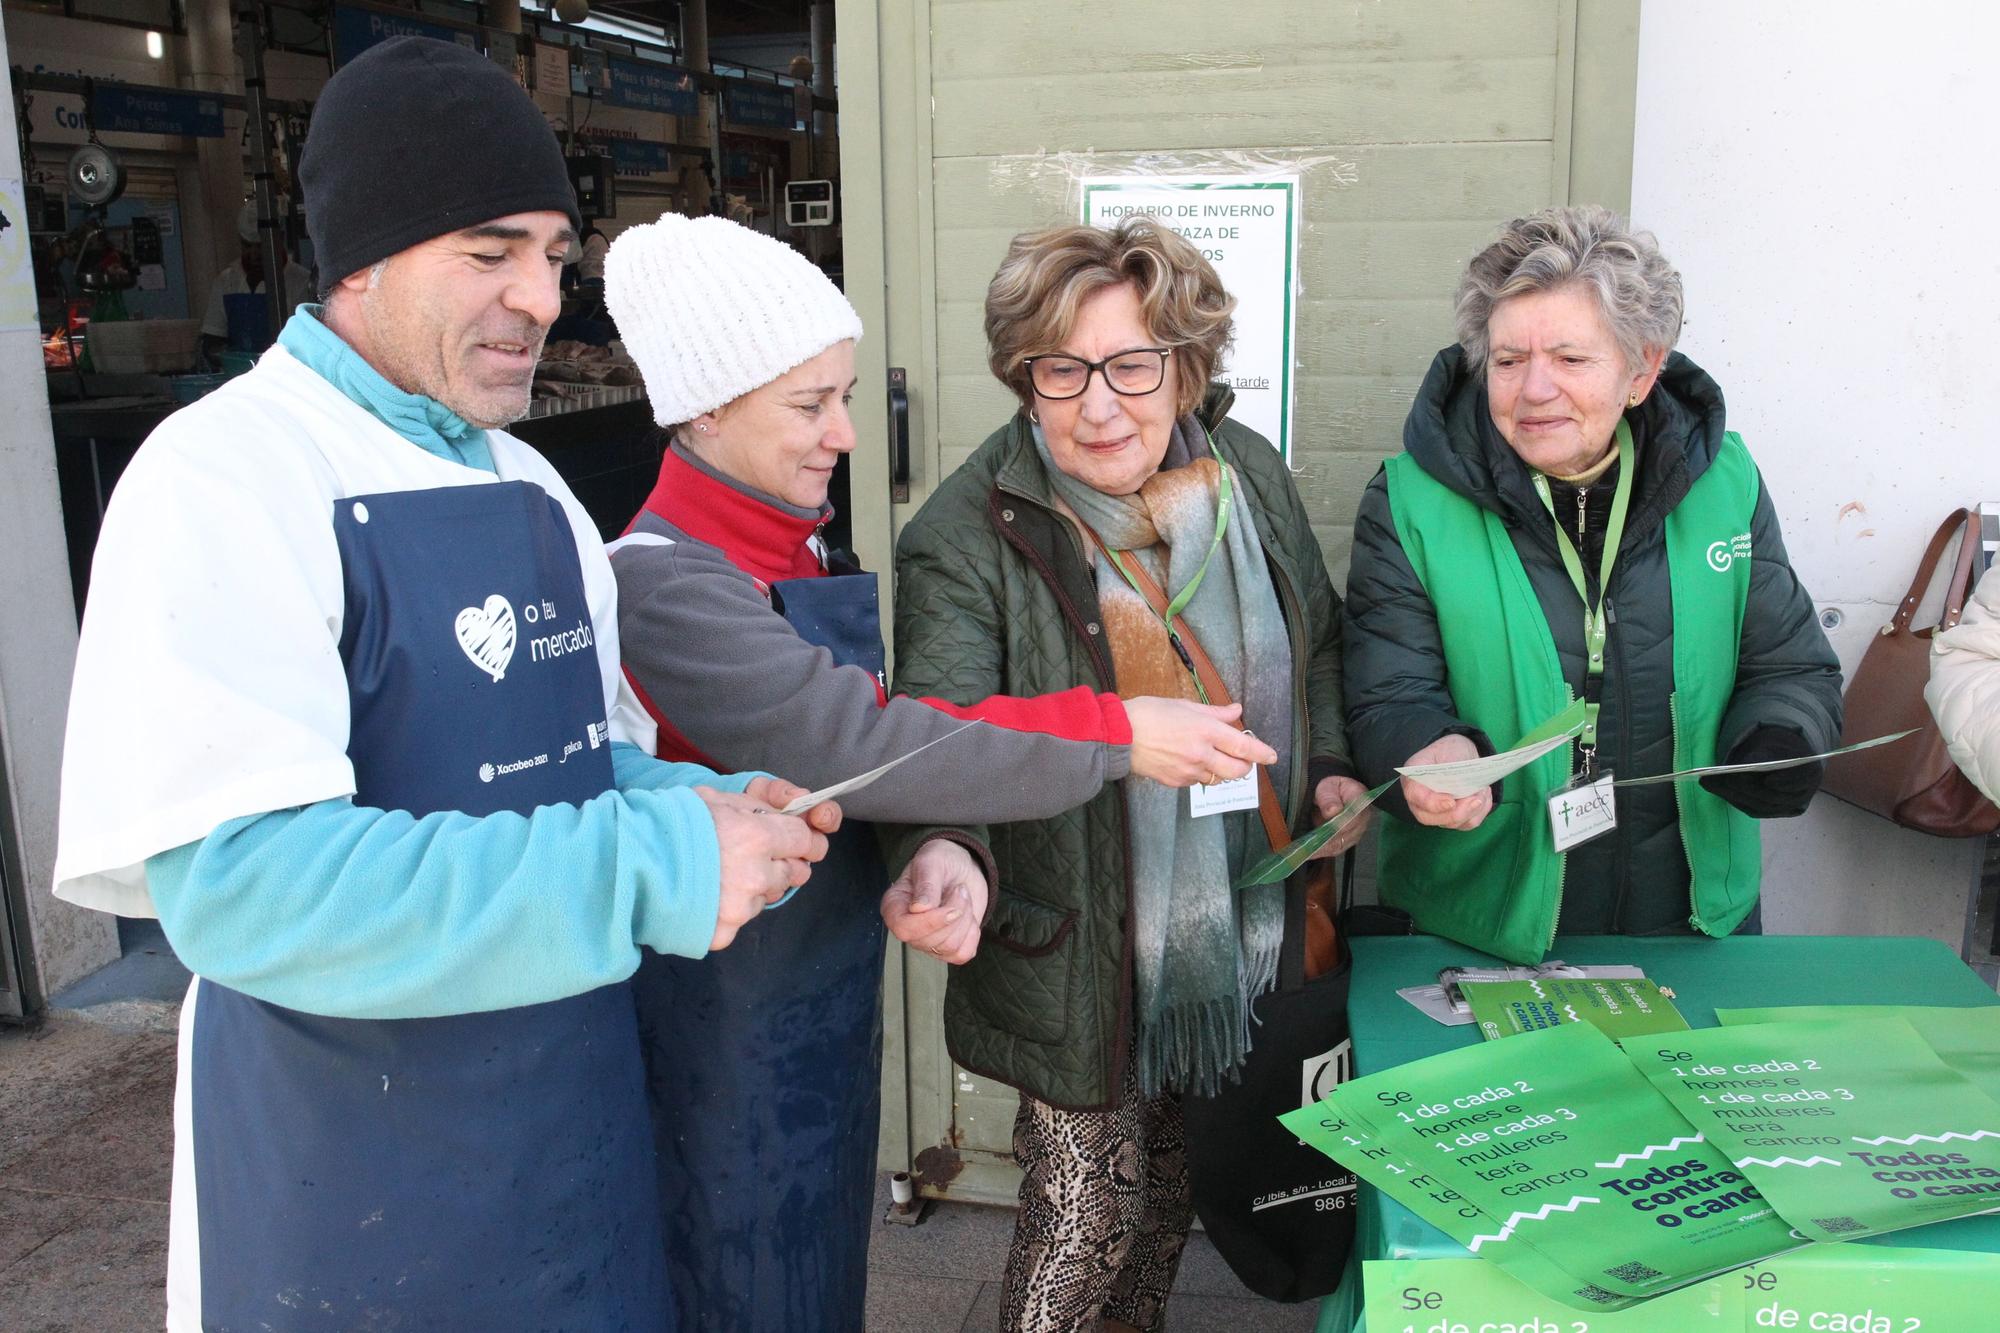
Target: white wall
(1821, 174)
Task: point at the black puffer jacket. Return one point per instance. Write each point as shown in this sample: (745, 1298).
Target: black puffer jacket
(1634, 881)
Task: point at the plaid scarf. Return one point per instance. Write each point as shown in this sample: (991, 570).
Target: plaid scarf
(1201, 951)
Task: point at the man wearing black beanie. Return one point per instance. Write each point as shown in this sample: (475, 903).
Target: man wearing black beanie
(348, 718)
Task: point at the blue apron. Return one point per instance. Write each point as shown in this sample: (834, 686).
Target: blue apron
(764, 1066)
(479, 1171)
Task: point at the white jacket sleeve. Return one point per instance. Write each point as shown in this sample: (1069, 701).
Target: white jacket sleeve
(1964, 689)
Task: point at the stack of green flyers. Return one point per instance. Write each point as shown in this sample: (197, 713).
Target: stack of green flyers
(1552, 1157)
(1850, 1127)
(1618, 1008)
(1967, 1040)
(1834, 1290)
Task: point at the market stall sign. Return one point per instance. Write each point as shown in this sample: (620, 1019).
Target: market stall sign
(644, 86)
(1247, 227)
(126, 110)
(356, 29)
(636, 157)
(759, 105)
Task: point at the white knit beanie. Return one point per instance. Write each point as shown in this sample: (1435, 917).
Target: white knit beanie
(711, 310)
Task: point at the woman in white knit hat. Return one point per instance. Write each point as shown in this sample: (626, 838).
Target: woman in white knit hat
(754, 647)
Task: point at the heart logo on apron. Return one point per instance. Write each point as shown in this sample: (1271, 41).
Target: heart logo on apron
(486, 633)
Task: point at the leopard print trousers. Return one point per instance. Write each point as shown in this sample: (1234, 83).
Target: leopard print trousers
(1104, 1213)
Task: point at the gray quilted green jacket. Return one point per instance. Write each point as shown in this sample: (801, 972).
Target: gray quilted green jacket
(994, 596)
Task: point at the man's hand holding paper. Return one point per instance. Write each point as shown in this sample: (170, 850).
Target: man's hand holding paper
(765, 854)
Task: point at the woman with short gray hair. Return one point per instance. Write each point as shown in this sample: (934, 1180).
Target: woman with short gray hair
(1571, 520)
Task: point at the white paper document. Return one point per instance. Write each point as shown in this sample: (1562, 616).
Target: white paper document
(1464, 777)
(1687, 774)
(856, 783)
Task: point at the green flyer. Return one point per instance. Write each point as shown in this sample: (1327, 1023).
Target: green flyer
(1832, 1289)
(1555, 1136)
(1872, 1289)
(1618, 1008)
(1966, 1039)
(1849, 1128)
(1346, 1136)
(1466, 1296)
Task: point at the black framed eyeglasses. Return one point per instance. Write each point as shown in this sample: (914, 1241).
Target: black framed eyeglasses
(1134, 372)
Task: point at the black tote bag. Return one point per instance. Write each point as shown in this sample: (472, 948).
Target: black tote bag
(1280, 1213)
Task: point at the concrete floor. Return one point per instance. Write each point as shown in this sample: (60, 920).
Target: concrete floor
(86, 1146)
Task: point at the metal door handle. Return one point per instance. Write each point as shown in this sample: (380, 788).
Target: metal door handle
(899, 435)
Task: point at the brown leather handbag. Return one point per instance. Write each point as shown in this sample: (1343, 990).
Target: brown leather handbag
(1913, 782)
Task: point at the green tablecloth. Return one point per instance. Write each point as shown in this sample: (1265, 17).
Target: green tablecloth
(1743, 971)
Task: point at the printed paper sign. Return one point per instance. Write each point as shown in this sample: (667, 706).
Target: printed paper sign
(1248, 228)
(1850, 1127)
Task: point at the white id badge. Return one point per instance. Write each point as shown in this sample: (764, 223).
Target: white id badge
(1222, 797)
(1582, 811)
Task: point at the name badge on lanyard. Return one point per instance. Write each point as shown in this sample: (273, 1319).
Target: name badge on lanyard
(1219, 798)
(1585, 809)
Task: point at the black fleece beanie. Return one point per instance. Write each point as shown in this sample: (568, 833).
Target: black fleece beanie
(417, 138)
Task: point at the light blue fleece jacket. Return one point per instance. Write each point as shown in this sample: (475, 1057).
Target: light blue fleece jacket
(356, 912)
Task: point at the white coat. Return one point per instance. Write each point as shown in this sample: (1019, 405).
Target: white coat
(1964, 689)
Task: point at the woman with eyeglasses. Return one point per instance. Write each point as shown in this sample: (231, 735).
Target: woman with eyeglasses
(1117, 967)
(754, 647)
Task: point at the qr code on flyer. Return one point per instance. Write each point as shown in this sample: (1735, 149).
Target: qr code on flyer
(1634, 1272)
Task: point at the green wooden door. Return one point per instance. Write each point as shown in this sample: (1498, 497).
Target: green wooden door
(1417, 127)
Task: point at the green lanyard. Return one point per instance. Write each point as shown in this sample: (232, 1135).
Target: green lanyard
(1595, 622)
(1224, 494)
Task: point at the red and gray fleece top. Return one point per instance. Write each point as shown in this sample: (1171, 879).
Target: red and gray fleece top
(733, 687)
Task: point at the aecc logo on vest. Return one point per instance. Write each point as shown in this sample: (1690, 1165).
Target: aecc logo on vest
(1724, 553)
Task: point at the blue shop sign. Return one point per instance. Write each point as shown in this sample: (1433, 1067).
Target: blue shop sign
(355, 30)
(155, 111)
(759, 104)
(644, 86)
(634, 157)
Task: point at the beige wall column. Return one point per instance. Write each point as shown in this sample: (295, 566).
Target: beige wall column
(37, 643)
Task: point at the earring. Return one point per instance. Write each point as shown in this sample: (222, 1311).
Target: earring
(704, 430)
(1633, 401)
(1032, 417)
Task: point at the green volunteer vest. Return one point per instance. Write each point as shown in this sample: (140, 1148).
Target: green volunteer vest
(1499, 887)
